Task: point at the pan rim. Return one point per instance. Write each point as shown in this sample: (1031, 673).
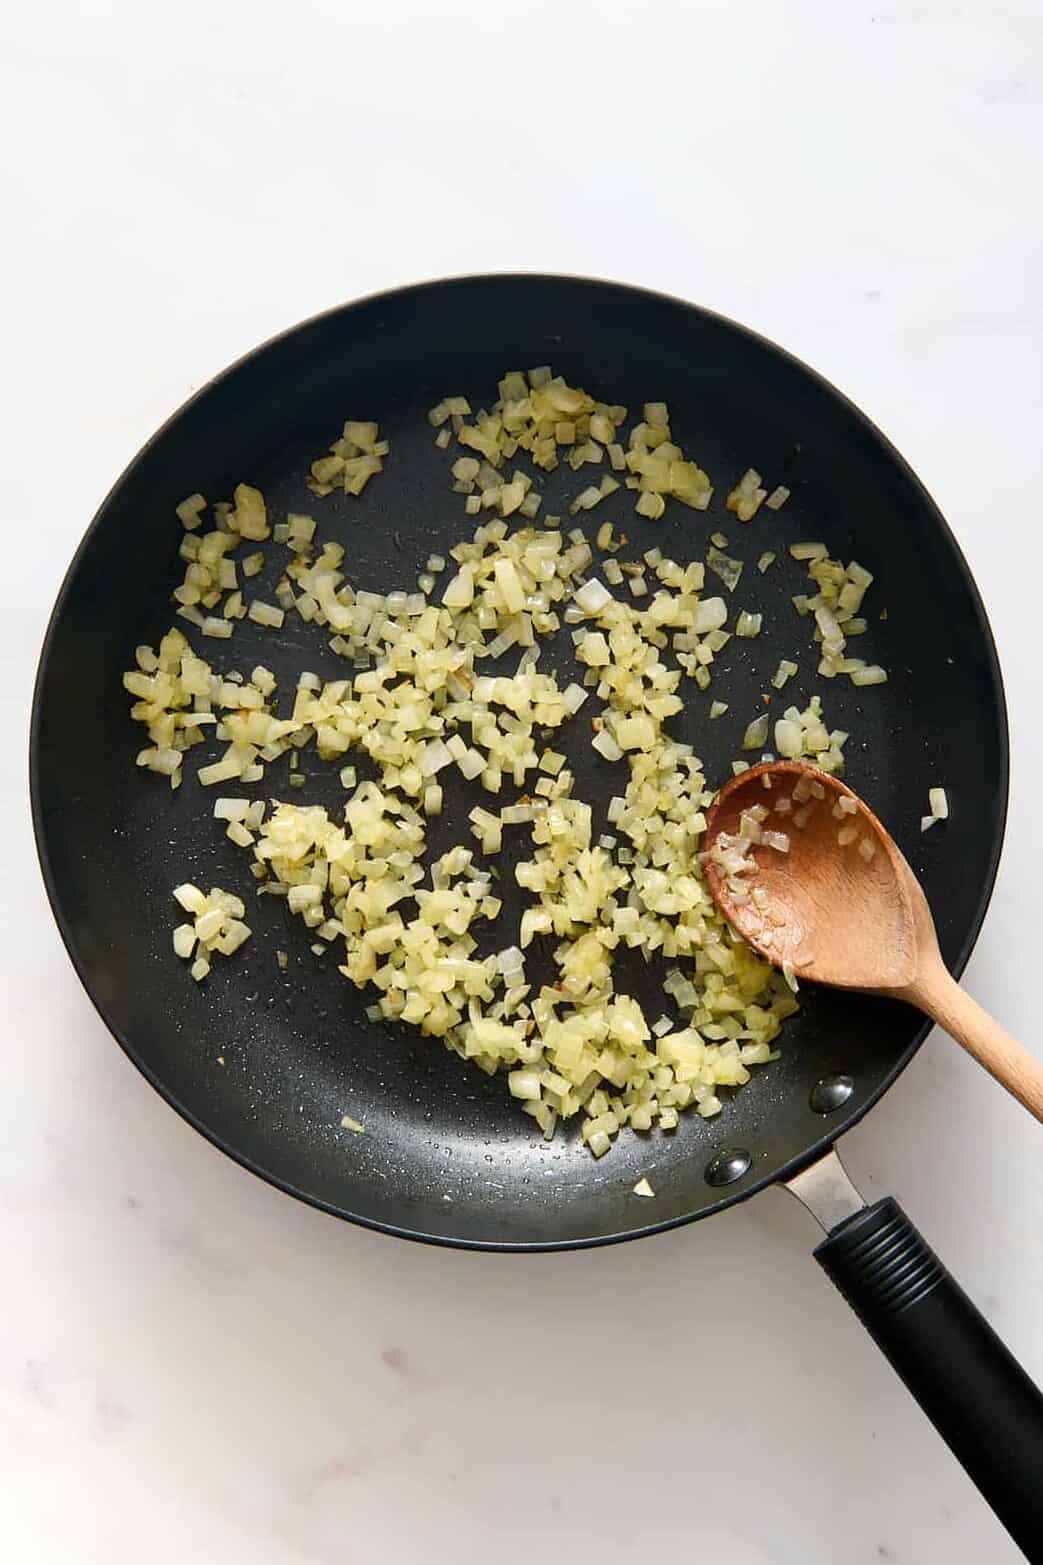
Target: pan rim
(754, 1186)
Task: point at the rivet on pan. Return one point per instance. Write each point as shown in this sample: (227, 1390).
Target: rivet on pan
(728, 1165)
(831, 1093)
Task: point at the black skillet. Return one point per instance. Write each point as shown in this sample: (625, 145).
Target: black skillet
(446, 1156)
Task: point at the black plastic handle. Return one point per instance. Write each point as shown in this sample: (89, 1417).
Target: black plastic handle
(972, 1389)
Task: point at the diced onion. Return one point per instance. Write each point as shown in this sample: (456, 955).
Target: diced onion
(756, 733)
(424, 694)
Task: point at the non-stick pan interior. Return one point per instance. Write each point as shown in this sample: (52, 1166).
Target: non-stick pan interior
(446, 1154)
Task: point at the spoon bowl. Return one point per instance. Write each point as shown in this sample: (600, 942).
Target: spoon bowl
(840, 905)
(815, 883)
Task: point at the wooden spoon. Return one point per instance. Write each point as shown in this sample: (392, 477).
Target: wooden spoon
(846, 912)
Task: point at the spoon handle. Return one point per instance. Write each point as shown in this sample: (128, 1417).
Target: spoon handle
(938, 993)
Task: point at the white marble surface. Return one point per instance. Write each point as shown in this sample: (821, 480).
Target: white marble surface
(194, 1367)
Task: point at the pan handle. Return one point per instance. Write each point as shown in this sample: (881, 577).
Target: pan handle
(982, 1403)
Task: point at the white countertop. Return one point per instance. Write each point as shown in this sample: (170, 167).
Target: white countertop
(194, 1367)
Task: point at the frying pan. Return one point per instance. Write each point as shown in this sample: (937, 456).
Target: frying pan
(446, 1156)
